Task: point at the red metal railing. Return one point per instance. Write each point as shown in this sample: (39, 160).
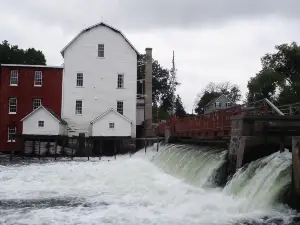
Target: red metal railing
(215, 124)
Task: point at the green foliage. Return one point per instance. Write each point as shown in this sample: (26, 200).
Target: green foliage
(12, 54)
(212, 91)
(179, 109)
(279, 78)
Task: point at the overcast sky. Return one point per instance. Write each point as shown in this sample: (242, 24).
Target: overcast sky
(214, 40)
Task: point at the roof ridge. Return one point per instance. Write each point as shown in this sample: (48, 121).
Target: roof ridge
(96, 25)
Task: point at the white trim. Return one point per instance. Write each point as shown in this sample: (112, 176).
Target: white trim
(96, 25)
(9, 105)
(107, 111)
(35, 78)
(37, 110)
(17, 77)
(37, 66)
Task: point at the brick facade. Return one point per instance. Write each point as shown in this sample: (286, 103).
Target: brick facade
(50, 93)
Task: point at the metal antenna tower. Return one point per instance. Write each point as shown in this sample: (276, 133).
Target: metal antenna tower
(173, 84)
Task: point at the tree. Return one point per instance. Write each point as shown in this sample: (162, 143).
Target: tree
(11, 54)
(279, 78)
(212, 91)
(161, 86)
(179, 109)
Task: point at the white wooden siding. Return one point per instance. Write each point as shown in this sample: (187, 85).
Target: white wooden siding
(122, 127)
(51, 125)
(99, 91)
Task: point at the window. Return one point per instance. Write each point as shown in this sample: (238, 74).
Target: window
(37, 102)
(38, 77)
(12, 133)
(228, 104)
(218, 104)
(13, 105)
(14, 78)
(120, 107)
(120, 81)
(79, 82)
(111, 125)
(78, 107)
(41, 123)
(101, 50)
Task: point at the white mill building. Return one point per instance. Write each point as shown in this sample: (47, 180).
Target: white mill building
(100, 84)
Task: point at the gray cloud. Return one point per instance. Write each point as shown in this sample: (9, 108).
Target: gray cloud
(214, 40)
(74, 15)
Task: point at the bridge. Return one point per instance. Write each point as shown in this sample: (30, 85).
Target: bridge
(217, 126)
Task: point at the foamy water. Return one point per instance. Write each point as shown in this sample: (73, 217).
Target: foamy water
(124, 191)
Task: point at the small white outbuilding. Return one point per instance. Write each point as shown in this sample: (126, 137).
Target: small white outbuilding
(112, 124)
(43, 121)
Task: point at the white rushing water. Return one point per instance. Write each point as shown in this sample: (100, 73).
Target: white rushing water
(165, 188)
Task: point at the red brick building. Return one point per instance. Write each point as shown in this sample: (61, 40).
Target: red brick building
(22, 89)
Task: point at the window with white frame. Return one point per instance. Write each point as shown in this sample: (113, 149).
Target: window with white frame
(78, 107)
(12, 105)
(100, 50)
(218, 104)
(12, 130)
(111, 125)
(120, 81)
(37, 102)
(120, 106)
(228, 104)
(38, 78)
(40, 123)
(79, 81)
(14, 75)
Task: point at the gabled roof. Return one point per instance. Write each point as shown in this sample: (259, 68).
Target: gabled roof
(106, 112)
(53, 114)
(216, 99)
(94, 26)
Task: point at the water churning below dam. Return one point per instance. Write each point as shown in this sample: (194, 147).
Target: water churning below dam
(177, 185)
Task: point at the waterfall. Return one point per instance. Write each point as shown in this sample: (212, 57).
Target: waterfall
(263, 181)
(191, 163)
(260, 183)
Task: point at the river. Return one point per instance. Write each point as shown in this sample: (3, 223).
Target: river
(172, 187)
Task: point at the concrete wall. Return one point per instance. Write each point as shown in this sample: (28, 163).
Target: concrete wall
(99, 91)
(51, 125)
(122, 126)
(253, 137)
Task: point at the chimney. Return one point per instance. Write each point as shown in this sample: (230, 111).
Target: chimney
(148, 94)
